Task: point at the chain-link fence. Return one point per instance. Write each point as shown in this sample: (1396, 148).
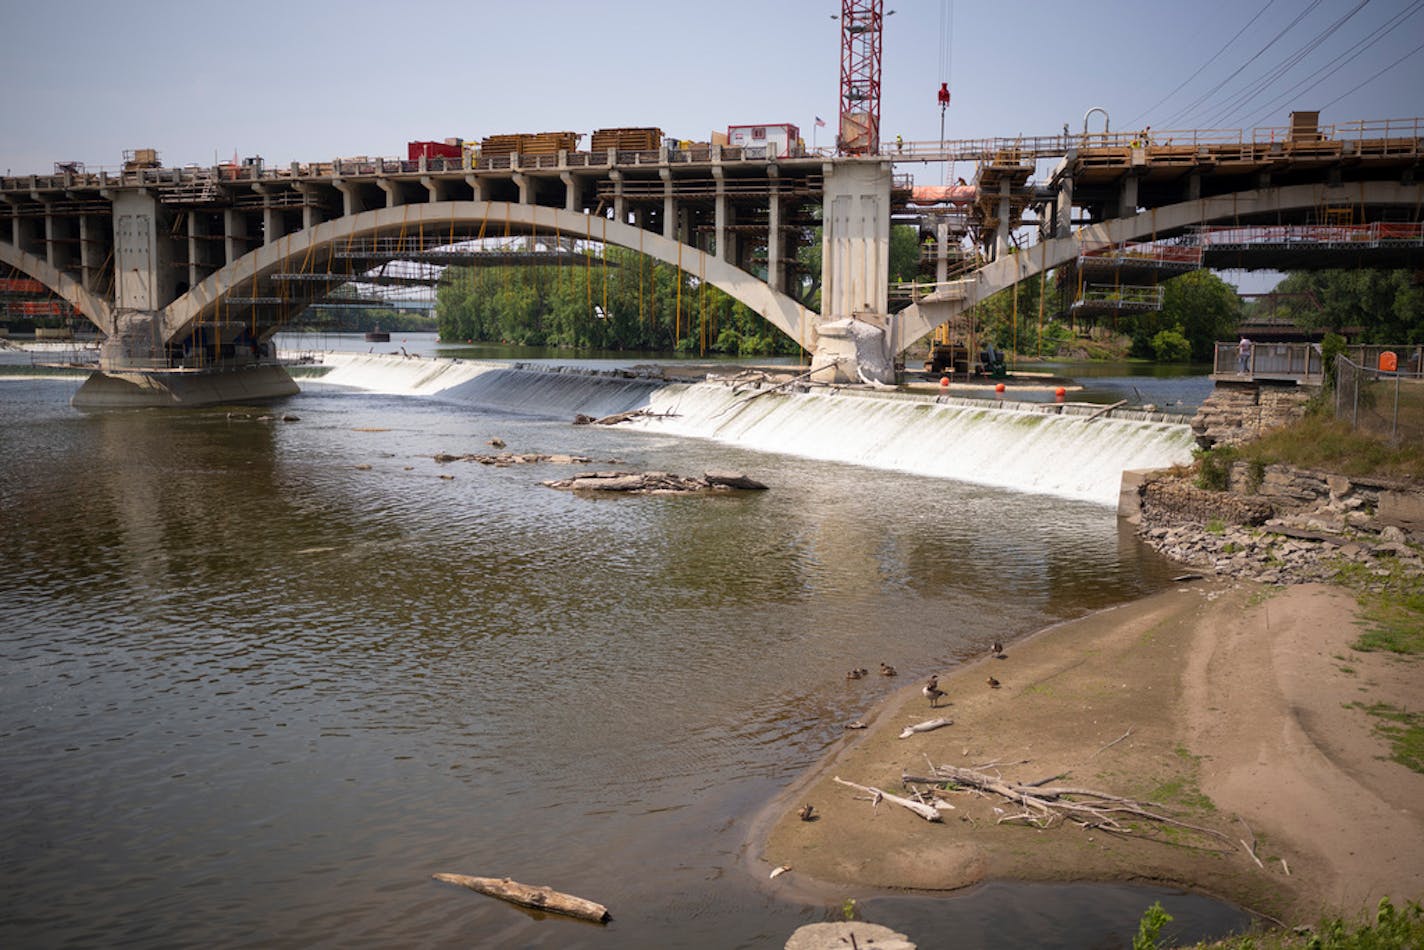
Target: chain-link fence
(1383, 402)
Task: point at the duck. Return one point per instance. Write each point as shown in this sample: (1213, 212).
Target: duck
(806, 812)
(998, 650)
(993, 683)
(932, 692)
(857, 673)
(887, 670)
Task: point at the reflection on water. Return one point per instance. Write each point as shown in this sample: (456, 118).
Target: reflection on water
(261, 679)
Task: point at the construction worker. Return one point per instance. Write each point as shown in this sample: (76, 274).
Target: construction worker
(899, 144)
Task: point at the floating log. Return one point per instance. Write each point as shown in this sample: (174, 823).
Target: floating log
(540, 898)
(927, 726)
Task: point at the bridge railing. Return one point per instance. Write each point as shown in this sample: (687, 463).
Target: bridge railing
(1298, 362)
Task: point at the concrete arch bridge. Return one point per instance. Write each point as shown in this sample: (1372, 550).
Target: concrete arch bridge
(188, 272)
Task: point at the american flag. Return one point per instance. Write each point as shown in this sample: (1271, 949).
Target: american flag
(820, 122)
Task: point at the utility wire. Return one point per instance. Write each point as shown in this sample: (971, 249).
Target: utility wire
(1244, 97)
(1190, 109)
(1148, 111)
(1374, 77)
(1345, 58)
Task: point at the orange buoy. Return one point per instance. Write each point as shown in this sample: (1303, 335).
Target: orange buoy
(999, 388)
(944, 382)
(1060, 393)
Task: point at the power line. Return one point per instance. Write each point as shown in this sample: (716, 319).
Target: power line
(1374, 77)
(1345, 58)
(1184, 113)
(1146, 112)
(1242, 99)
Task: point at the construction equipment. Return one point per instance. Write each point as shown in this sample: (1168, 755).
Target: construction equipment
(862, 22)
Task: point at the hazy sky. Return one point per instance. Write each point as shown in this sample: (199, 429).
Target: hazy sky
(311, 81)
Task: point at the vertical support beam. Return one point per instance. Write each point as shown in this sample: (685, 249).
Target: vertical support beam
(393, 192)
(193, 243)
(350, 197)
(719, 209)
(526, 188)
(855, 250)
(669, 203)
(312, 211)
(1005, 213)
(1127, 204)
(234, 235)
(941, 251)
(87, 266)
(775, 245)
(477, 186)
(620, 201)
(1064, 225)
(573, 195)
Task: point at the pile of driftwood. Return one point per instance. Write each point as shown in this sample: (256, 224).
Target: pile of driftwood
(512, 458)
(656, 483)
(1040, 803)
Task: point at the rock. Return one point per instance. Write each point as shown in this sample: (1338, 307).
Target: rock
(582, 420)
(733, 480)
(1392, 534)
(841, 935)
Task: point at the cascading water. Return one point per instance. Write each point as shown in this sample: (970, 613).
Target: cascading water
(1020, 448)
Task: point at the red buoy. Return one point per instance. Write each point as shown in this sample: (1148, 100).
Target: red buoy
(944, 382)
(1059, 393)
(999, 388)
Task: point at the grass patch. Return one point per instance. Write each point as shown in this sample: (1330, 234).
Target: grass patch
(1392, 929)
(1403, 730)
(1182, 791)
(1392, 606)
(1318, 441)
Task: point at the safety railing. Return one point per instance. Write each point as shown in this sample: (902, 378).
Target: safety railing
(1387, 403)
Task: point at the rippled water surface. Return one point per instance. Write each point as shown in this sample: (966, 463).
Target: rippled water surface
(260, 679)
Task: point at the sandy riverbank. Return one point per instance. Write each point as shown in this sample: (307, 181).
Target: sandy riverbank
(1238, 698)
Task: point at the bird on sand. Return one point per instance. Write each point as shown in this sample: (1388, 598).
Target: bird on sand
(993, 683)
(932, 692)
(806, 812)
(857, 673)
(887, 670)
(998, 650)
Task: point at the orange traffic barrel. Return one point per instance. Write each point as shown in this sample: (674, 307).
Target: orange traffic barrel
(1388, 361)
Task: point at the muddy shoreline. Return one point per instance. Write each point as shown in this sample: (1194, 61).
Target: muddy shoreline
(1235, 702)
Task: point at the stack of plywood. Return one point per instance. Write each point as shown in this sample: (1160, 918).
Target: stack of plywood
(631, 140)
(538, 143)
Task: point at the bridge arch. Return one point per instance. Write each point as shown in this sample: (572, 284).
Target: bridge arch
(95, 308)
(435, 224)
(944, 304)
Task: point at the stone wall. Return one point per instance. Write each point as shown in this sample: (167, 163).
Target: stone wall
(1282, 525)
(1239, 412)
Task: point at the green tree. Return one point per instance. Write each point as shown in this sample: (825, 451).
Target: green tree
(1171, 346)
(1375, 306)
(1204, 307)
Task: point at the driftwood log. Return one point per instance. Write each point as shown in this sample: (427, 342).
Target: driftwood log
(656, 483)
(540, 898)
(927, 812)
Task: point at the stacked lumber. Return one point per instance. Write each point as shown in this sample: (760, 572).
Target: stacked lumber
(537, 143)
(628, 139)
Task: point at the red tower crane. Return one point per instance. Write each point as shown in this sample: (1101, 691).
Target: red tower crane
(862, 22)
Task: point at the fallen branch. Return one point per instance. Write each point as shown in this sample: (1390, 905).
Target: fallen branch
(1105, 410)
(779, 386)
(929, 725)
(1115, 741)
(540, 898)
(924, 811)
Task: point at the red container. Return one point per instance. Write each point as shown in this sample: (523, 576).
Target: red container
(416, 150)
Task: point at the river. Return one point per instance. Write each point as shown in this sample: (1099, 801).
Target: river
(260, 678)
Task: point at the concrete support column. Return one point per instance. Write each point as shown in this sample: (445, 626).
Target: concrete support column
(350, 197)
(50, 236)
(1194, 186)
(669, 203)
(272, 226)
(312, 211)
(573, 193)
(1127, 204)
(854, 334)
(393, 192)
(234, 235)
(1005, 212)
(719, 210)
(87, 258)
(193, 244)
(526, 188)
(775, 242)
(1064, 226)
(477, 185)
(620, 201)
(941, 251)
(436, 189)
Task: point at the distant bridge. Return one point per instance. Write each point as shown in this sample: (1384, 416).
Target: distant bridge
(184, 269)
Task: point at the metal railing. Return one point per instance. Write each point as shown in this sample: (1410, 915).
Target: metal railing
(1381, 402)
(1298, 362)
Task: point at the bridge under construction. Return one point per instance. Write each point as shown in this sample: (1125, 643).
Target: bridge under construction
(186, 269)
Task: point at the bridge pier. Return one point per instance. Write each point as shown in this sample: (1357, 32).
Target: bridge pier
(854, 336)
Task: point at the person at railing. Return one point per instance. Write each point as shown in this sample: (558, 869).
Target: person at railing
(1243, 356)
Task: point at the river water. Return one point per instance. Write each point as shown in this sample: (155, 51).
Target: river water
(259, 679)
